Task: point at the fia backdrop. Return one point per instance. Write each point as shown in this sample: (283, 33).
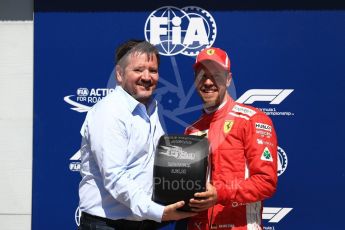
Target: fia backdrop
(287, 60)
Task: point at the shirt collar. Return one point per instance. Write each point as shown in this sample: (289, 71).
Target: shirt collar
(132, 103)
(152, 107)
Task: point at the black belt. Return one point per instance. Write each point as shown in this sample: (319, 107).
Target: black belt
(120, 223)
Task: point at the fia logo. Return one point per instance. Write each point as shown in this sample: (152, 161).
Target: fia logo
(282, 161)
(77, 215)
(187, 31)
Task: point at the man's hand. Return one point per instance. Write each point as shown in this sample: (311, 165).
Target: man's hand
(171, 213)
(204, 200)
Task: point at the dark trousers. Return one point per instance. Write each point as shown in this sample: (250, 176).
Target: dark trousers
(90, 222)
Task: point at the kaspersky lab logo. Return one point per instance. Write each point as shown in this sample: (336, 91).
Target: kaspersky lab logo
(184, 31)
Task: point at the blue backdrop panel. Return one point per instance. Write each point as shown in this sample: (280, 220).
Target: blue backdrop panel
(297, 56)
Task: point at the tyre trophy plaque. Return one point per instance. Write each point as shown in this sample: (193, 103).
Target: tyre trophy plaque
(180, 168)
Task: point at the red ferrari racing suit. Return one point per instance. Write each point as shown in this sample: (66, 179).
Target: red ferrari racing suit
(243, 165)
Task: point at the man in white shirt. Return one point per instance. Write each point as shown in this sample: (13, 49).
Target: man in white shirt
(119, 138)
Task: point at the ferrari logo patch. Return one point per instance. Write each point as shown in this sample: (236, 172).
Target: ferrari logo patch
(266, 155)
(210, 51)
(228, 125)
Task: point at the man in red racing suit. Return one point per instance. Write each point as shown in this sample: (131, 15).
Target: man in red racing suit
(243, 151)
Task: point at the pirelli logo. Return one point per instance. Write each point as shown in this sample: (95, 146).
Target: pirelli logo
(263, 126)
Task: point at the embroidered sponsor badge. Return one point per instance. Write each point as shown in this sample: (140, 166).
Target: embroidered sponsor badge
(262, 142)
(266, 155)
(243, 110)
(228, 125)
(264, 133)
(210, 52)
(263, 126)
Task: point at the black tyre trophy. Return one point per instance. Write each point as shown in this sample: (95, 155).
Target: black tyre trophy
(180, 168)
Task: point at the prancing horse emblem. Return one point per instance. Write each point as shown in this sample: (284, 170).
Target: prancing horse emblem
(228, 125)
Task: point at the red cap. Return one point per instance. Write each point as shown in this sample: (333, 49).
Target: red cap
(213, 54)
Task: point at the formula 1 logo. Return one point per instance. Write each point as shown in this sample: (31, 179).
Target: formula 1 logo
(274, 215)
(74, 165)
(180, 31)
(274, 96)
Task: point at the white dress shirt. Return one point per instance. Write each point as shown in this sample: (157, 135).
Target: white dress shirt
(119, 138)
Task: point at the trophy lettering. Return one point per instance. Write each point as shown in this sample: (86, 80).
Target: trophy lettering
(180, 168)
